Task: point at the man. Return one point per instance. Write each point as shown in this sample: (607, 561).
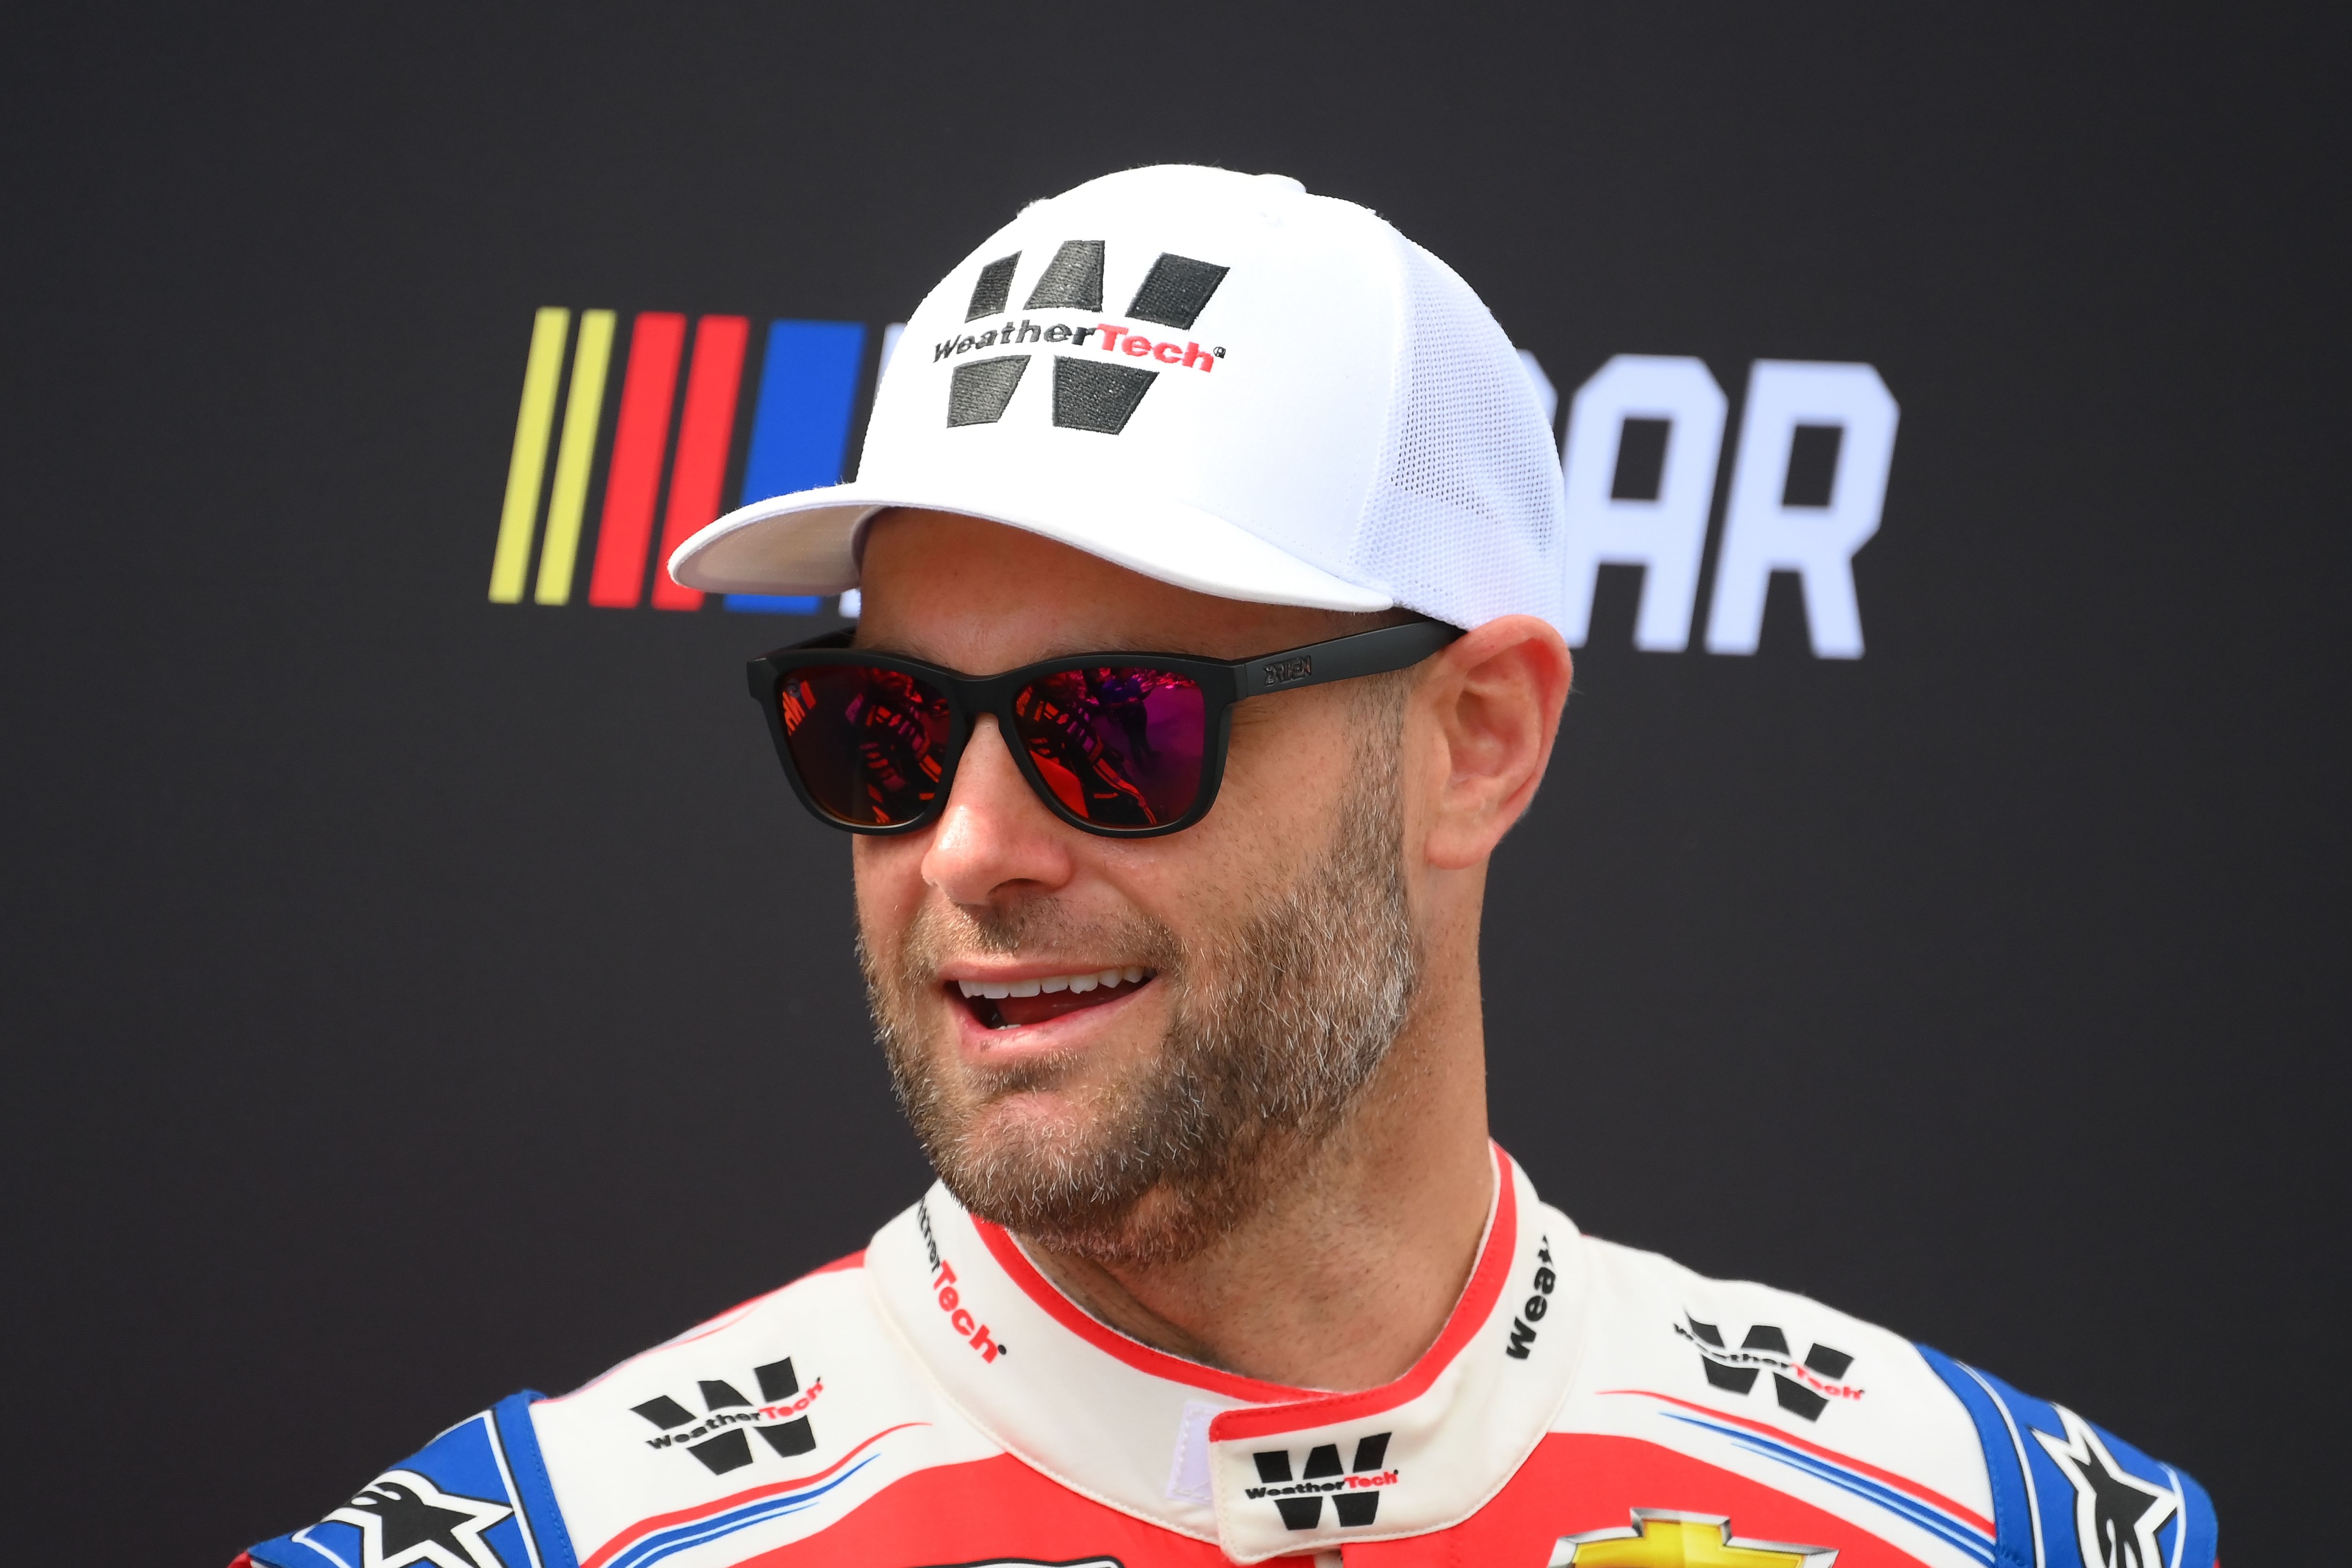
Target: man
(1206, 537)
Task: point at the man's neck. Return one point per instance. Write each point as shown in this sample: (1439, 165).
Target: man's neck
(1347, 1276)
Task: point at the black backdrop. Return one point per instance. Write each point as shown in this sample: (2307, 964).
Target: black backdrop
(411, 998)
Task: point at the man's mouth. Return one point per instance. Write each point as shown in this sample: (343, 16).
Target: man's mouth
(1010, 1004)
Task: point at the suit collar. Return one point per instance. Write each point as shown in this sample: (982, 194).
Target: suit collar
(1259, 1469)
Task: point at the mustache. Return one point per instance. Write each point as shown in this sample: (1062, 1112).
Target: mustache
(940, 932)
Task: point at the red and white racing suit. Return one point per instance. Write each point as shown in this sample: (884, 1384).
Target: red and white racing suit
(935, 1401)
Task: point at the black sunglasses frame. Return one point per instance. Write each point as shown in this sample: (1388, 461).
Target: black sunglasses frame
(1223, 683)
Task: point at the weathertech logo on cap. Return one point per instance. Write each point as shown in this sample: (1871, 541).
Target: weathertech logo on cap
(1089, 394)
(1355, 1498)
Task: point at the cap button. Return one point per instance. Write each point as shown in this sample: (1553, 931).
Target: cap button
(1284, 182)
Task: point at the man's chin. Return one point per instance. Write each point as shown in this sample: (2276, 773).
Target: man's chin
(1153, 1227)
(1040, 1165)
(1042, 1129)
(1053, 1178)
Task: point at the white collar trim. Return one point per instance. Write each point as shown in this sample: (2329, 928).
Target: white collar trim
(1260, 1469)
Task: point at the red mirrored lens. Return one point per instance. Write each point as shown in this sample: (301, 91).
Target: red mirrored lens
(1119, 745)
(867, 742)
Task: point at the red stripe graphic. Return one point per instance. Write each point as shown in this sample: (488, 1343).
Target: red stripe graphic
(1900, 1483)
(704, 435)
(1142, 1357)
(633, 479)
(622, 1538)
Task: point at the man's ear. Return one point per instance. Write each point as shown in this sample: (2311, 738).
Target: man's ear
(1494, 698)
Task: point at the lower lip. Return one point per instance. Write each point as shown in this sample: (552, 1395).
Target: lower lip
(1062, 1033)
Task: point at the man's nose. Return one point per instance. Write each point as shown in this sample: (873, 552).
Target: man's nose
(995, 838)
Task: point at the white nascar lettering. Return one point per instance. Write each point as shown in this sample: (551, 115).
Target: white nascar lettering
(1762, 534)
(1664, 534)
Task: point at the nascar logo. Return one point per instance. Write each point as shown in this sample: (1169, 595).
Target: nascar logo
(809, 375)
(1646, 437)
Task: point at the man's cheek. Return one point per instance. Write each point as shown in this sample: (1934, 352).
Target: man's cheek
(1274, 812)
(887, 887)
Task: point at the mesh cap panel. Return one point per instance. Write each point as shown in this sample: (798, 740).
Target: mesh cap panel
(1463, 522)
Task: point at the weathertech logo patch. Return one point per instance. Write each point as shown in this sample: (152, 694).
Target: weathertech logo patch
(1662, 1537)
(1803, 1388)
(1354, 1492)
(1089, 393)
(718, 1438)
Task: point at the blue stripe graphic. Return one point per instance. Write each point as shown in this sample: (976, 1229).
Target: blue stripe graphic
(800, 432)
(679, 1538)
(1887, 1497)
(2034, 1499)
(519, 1440)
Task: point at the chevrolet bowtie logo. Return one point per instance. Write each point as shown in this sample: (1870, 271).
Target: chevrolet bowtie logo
(1661, 1537)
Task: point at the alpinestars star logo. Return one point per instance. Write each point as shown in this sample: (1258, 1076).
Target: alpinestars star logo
(1089, 392)
(2116, 1514)
(403, 1518)
(1662, 1537)
(1354, 1492)
(1802, 1387)
(718, 1438)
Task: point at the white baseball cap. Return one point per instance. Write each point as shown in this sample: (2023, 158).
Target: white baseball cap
(1210, 378)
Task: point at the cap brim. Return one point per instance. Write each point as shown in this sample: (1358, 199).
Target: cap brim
(806, 542)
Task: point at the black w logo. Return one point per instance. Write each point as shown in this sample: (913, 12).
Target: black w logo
(1089, 394)
(1798, 1386)
(1355, 1492)
(718, 1438)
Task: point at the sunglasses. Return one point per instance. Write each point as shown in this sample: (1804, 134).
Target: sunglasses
(1124, 744)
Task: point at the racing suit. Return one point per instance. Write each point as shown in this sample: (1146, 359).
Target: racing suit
(935, 1401)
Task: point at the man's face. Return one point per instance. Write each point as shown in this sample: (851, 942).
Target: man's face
(1189, 1013)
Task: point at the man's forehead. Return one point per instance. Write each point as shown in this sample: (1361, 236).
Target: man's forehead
(950, 588)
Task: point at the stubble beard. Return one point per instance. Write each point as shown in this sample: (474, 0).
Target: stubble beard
(1279, 1020)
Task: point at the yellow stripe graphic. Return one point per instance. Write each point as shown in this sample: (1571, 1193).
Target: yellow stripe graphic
(569, 500)
(524, 471)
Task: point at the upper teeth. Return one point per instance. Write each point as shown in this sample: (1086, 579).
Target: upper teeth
(994, 989)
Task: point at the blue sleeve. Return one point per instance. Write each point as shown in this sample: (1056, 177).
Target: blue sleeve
(475, 1497)
(2067, 1494)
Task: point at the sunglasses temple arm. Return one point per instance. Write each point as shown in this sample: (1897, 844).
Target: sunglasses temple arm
(1344, 659)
